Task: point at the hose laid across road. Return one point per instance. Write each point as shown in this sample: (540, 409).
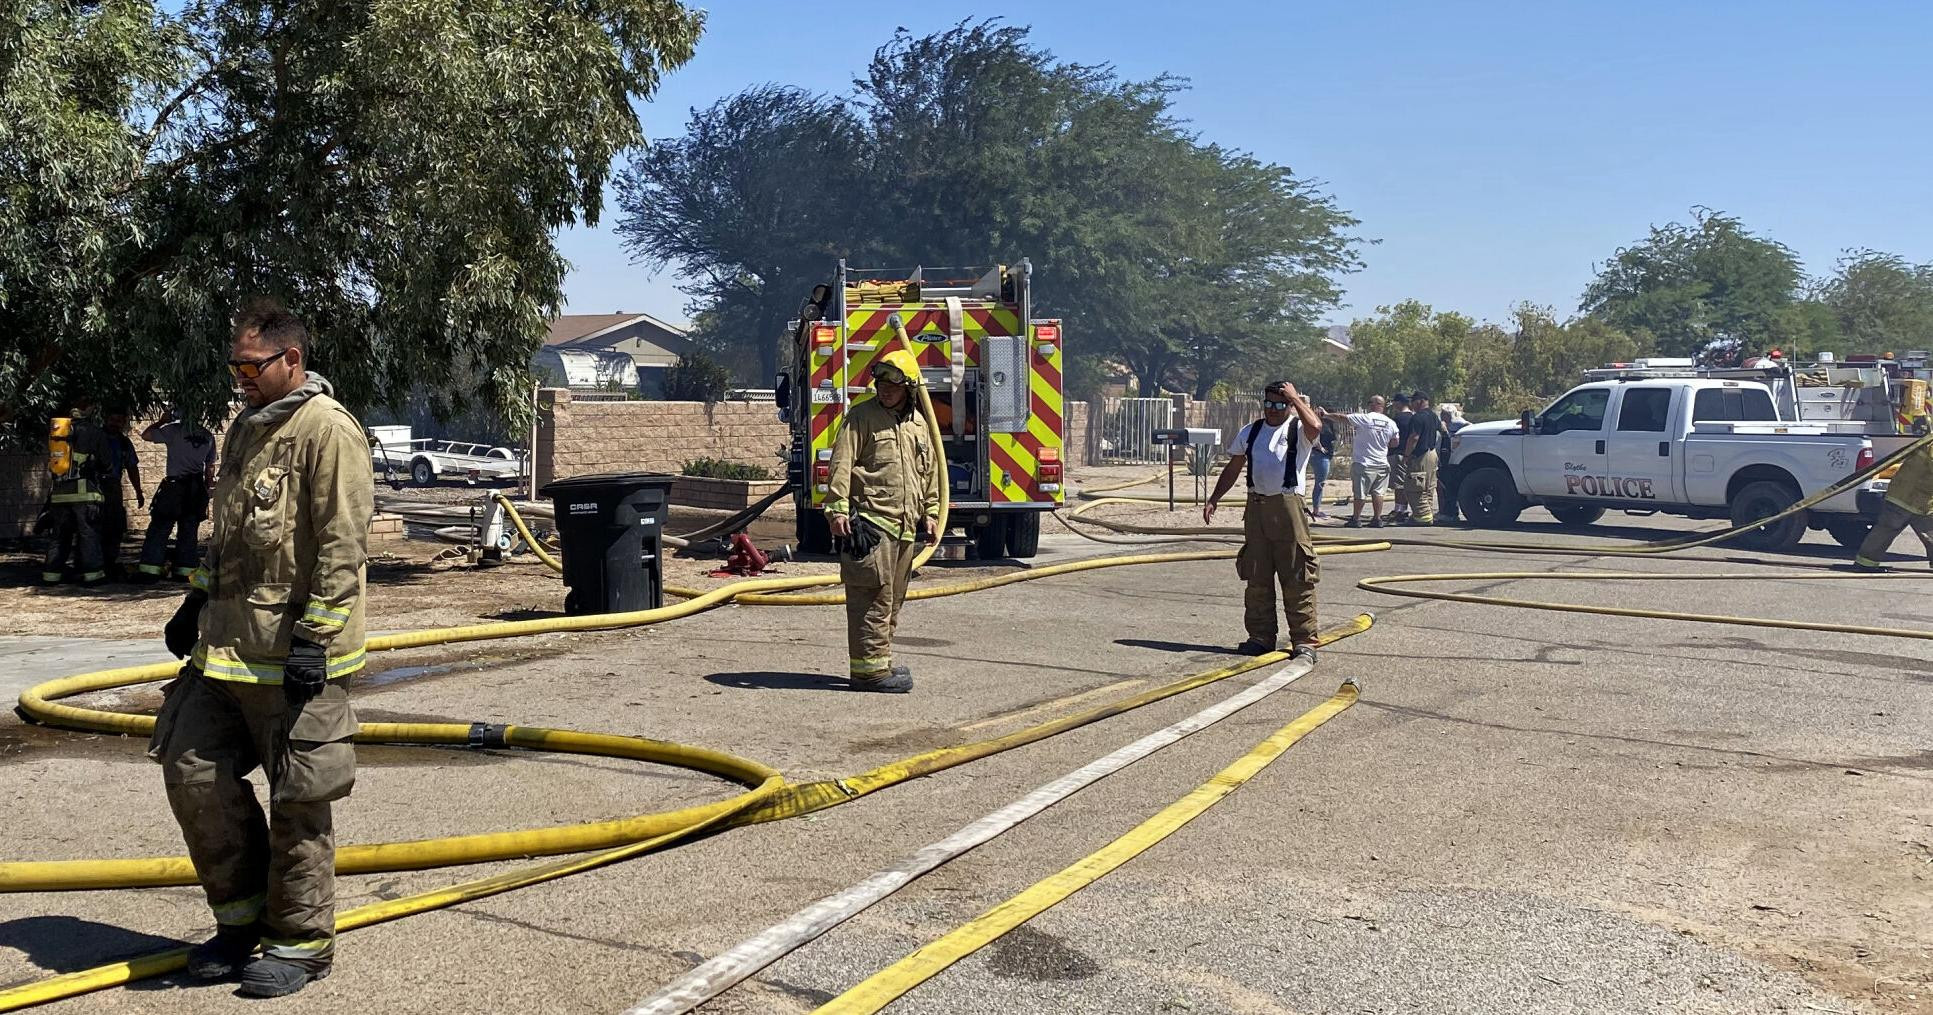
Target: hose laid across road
(769, 800)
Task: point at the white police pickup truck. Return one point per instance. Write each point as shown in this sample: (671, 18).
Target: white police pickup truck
(1697, 447)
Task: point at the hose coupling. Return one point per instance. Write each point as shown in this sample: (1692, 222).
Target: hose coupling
(487, 734)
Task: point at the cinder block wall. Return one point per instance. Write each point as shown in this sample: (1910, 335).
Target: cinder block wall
(576, 437)
(1075, 450)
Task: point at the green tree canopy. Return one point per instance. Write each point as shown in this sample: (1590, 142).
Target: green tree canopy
(1406, 347)
(1710, 288)
(750, 207)
(1167, 256)
(1879, 302)
(395, 170)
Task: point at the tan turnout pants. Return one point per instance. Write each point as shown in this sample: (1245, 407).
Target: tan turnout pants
(1278, 551)
(1421, 491)
(875, 591)
(279, 870)
(1893, 520)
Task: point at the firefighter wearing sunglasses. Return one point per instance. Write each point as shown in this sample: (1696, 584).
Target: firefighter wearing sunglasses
(272, 626)
(1277, 548)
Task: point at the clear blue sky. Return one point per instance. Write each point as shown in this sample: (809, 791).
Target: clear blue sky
(1497, 151)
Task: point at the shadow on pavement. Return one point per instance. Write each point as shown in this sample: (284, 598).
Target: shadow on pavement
(770, 680)
(65, 944)
(1175, 646)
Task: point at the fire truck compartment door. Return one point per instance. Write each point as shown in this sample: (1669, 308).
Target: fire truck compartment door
(1007, 390)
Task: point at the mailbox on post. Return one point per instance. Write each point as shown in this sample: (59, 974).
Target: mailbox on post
(1200, 442)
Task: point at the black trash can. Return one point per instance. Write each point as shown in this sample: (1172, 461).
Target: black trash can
(612, 528)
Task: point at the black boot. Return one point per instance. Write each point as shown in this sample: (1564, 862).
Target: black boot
(267, 977)
(221, 956)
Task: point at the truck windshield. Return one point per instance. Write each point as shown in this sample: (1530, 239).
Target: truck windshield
(1579, 410)
(1732, 405)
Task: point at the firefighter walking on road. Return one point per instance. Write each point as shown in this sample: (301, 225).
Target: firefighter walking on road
(273, 623)
(78, 459)
(882, 504)
(1909, 504)
(1277, 548)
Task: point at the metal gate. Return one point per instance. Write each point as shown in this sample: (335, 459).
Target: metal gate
(1127, 432)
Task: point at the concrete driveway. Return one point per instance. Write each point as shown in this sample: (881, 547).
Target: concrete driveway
(1527, 812)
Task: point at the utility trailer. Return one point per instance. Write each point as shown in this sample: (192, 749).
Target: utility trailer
(424, 460)
(993, 372)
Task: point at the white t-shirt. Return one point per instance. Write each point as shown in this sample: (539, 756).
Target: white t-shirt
(1271, 464)
(1371, 433)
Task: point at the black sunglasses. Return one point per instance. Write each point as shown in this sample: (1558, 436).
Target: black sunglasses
(1266, 404)
(252, 368)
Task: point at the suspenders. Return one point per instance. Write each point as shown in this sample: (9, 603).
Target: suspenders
(1289, 478)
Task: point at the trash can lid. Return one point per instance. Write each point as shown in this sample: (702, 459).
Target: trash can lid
(605, 480)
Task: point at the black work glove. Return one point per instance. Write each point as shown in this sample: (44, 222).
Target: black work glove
(303, 675)
(184, 628)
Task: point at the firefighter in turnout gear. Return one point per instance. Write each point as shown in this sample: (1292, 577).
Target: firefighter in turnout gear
(883, 504)
(1277, 547)
(273, 624)
(1908, 505)
(78, 458)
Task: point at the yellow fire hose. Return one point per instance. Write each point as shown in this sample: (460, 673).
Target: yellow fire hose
(770, 799)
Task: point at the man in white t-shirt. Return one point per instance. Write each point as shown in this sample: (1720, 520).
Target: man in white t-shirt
(1370, 435)
(1276, 546)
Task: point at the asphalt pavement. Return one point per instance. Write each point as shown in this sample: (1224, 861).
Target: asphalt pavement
(1526, 812)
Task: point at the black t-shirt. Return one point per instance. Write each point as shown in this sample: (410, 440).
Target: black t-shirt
(1326, 444)
(1425, 427)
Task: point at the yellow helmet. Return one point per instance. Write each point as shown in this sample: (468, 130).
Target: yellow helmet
(898, 365)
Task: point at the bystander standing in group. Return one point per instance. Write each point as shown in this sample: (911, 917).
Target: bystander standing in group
(1399, 411)
(1451, 415)
(1421, 431)
(1321, 461)
(1370, 435)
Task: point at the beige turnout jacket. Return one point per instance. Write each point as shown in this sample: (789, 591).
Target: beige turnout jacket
(288, 557)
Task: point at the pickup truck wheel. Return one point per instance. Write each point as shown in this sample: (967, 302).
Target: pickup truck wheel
(1850, 534)
(422, 473)
(1488, 498)
(1764, 499)
(1576, 516)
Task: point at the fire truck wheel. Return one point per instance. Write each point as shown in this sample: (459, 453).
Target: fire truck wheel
(1023, 536)
(990, 540)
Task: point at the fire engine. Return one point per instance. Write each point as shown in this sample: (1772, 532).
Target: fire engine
(992, 370)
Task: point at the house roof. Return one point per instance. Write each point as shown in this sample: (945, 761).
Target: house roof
(1338, 336)
(570, 328)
